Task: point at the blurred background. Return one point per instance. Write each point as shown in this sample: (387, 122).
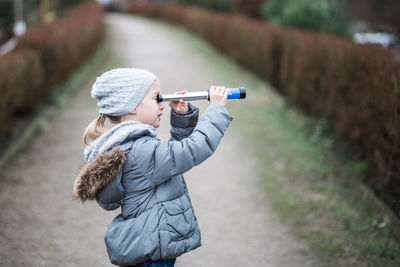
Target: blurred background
(338, 61)
(286, 42)
(364, 20)
(17, 15)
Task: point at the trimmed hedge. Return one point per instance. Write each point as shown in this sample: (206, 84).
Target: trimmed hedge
(356, 87)
(219, 5)
(43, 58)
(21, 69)
(65, 44)
(251, 8)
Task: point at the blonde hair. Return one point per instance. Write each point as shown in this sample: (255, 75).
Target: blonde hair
(97, 127)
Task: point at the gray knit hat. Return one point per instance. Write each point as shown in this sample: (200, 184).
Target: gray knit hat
(119, 91)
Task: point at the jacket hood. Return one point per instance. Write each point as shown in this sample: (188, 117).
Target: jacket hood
(103, 166)
(95, 175)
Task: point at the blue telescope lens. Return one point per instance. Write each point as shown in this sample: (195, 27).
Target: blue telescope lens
(237, 93)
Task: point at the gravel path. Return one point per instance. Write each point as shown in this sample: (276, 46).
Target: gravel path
(42, 225)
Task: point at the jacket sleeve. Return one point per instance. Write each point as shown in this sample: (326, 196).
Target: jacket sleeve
(111, 196)
(182, 125)
(160, 160)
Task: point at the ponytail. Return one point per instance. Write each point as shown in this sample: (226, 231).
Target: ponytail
(94, 129)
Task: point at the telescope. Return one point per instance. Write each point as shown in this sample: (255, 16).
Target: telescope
(233, 93)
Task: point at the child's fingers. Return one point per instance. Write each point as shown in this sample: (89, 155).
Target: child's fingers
(221, 90)
(174, 104)
(181, 92)
(226, 91)
(212, 89)
(215, 89)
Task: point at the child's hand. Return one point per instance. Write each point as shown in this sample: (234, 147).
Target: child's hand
(180, 107)
(218, 95)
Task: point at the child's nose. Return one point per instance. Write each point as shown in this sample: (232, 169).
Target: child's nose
(161, 106)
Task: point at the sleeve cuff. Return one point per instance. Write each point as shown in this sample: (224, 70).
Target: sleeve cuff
(189, 119)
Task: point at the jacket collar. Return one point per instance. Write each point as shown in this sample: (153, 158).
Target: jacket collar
(115, 136)
(96, 174)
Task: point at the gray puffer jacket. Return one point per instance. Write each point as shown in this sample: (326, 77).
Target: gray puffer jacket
(143, 176)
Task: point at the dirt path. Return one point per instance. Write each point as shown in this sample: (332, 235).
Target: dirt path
(42, 225)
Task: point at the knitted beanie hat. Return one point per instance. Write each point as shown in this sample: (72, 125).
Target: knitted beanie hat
(119, 91)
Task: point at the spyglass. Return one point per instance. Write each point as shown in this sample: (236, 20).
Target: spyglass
(233, 93)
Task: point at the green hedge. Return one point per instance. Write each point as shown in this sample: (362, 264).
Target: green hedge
(356, 87)
(251, 8)
(21, 75)
(43, 58)
(321, 15)
(65, 44)
(220, 5)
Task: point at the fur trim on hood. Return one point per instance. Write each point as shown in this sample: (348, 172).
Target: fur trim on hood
(96, 174)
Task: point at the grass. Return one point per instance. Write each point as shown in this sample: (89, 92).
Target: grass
(310, 176)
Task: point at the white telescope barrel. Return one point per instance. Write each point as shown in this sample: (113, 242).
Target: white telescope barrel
(234, 93)
(186, 97)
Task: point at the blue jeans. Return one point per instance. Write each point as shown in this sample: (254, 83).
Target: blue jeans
(161, 263)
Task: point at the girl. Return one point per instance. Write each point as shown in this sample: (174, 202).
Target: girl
(128, 167)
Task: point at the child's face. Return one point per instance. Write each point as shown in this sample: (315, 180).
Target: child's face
(149, 111)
